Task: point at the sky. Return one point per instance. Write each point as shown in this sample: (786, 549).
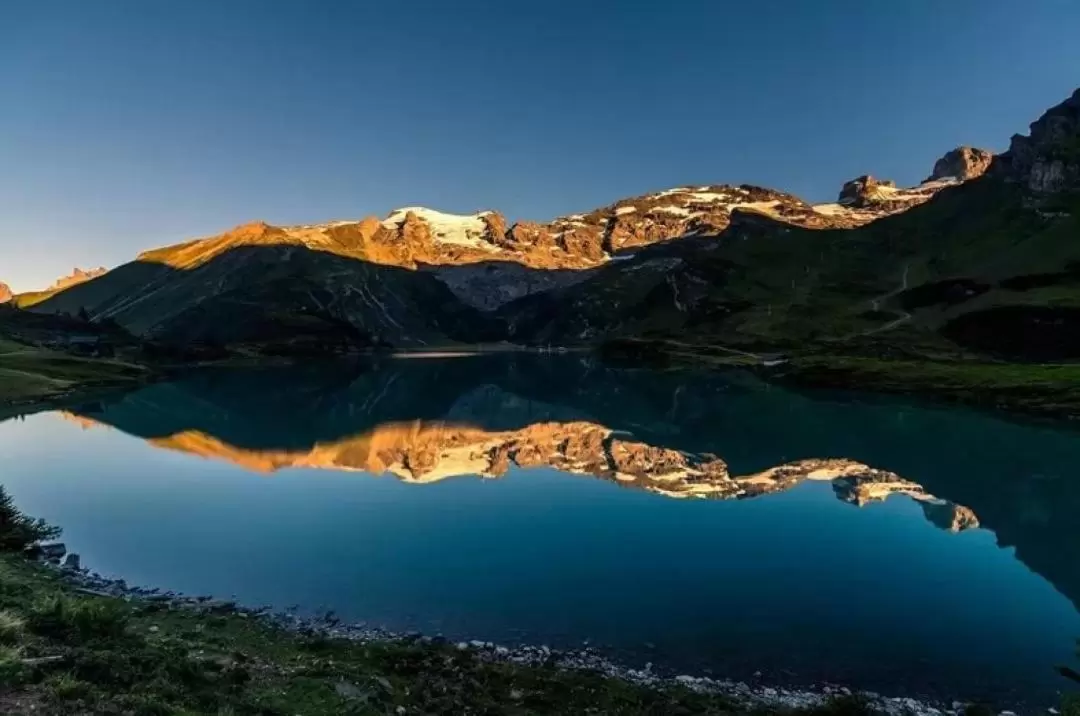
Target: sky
(131, 124)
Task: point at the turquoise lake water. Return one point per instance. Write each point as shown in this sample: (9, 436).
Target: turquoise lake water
(555, 501)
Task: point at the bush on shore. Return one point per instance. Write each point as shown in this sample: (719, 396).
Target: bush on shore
(18, 532)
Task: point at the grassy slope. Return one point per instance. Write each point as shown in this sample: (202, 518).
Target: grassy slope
(30, 374)
(782, 287)
(63, 652)
(1044, 390)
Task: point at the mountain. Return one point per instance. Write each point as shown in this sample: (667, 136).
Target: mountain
(5, 293)
(977, 258)
(986, 264)
(481, 258)
(263, 288)
(962, 163)
(76, 277)
(419, 276)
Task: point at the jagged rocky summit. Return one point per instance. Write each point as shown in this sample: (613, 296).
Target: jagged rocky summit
(962, 163)
(76, 277)
(421, 237)
(1047, 160)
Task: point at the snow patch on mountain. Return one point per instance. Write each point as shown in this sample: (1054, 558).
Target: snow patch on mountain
(831, 209)
(462, 230)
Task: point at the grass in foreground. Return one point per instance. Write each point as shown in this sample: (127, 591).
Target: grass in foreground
(29, 373)
(67, 653)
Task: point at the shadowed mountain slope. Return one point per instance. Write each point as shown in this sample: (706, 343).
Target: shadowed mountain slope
(281, 297)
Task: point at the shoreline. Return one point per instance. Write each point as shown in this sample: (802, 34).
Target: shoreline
(1048, 392)
(745, 695)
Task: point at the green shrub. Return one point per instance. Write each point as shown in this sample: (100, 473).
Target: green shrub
(66, 687)
(17, 531)
(11, 666)
(61, 617)
(12, 627)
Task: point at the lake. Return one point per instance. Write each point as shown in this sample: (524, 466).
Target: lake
(707, 523)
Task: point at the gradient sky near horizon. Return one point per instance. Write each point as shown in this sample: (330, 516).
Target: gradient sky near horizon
(129, 124)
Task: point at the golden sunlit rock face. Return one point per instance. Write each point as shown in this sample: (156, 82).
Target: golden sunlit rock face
(429, 451)
(496, 253)
(76, 277)
(416, 236)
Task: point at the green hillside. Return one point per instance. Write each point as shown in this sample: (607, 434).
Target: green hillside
(983, 267)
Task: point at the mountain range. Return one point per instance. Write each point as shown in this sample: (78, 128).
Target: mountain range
(977, 256)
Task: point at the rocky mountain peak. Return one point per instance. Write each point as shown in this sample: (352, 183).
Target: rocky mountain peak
(368, 227)
(1048, 159)
(6, 293)
(76, 277)
(495, 226)
(252, 230)
(866, 191)
(962, 163)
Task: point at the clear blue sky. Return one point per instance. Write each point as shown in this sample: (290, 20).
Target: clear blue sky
(127, 124)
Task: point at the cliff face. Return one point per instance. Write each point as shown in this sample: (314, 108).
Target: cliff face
(962, 163)
(1047, 160)
(5, 293)
(868, 198)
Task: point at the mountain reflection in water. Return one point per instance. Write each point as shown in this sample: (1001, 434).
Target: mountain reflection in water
(787, 579)
(679, 434)
(420, 453)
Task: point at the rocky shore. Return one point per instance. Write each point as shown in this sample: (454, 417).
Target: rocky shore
(746, 695)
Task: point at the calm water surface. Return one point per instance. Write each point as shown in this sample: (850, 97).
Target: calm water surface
(686, 520)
